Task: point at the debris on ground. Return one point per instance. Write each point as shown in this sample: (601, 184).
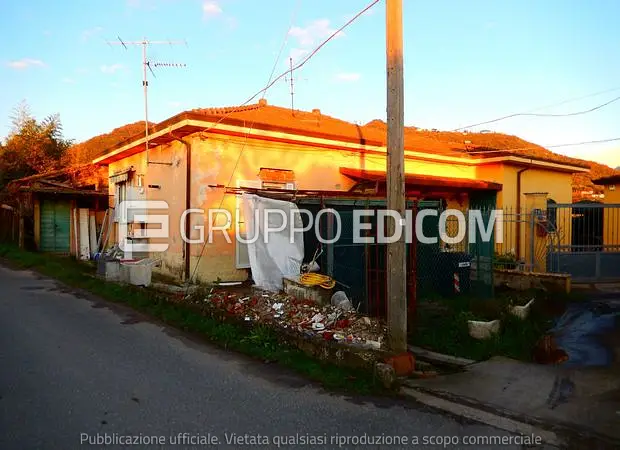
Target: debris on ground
(332, 323)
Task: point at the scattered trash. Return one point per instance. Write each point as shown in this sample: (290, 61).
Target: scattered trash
(229, 283)
(335, 322)
(340, 300)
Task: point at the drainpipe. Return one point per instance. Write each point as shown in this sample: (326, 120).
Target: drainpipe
(518, 207)
(188, 201)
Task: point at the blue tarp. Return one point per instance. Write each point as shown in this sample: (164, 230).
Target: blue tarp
(579, 330)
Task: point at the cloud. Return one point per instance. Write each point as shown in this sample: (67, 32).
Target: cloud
(111, 69)
(211, 8)
(68, 80)
(316, 30)
(87, 34)
(348, 76)
(309, 37)
(25, 63)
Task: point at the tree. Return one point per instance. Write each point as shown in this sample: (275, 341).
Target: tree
(31, 147)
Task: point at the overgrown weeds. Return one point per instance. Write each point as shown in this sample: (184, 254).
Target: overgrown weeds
(260, 342)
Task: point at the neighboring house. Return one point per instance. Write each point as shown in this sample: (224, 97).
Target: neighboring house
(62, 210)
(611, 215)
(201, 158)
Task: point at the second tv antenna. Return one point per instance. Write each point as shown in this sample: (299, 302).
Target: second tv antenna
(146, 64)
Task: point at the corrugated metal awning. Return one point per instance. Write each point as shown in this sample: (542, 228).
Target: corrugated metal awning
(121, 176)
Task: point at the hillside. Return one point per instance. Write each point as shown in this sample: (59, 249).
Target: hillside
(492, 142)
(86, 151)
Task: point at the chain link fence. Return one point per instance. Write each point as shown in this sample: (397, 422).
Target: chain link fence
(460, 258)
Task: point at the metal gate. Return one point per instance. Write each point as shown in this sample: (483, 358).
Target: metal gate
(586, 241)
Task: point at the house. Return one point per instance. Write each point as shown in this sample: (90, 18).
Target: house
(63, 209)
(611, 214)
(204, 158)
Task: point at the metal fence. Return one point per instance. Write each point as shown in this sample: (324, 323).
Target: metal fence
(580, 239)
(9, 225)
(587, 241)
(461, 261)
(518, 248)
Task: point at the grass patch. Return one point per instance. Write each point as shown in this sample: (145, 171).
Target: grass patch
(441, 324)
(260, 342)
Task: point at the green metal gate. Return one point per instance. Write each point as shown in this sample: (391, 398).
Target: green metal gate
(483, 251)
(55, 226)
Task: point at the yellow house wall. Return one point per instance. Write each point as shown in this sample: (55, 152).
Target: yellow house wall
(611, 230)
(558, 185)
(225, 161)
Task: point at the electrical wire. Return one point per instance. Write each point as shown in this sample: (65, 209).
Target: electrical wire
(270, 83)
(571, 144)
(574, 99)
(263, 91)
(297, 67)
(509, 116)
(284, 42)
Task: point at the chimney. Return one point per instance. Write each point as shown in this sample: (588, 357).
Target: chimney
(262, 102)
(316, 112)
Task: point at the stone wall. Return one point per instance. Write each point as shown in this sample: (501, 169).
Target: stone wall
(530, 280)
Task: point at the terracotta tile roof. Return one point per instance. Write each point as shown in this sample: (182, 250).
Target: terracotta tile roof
(264, 116)
(314, 123)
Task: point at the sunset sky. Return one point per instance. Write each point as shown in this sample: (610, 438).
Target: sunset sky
(465, 62)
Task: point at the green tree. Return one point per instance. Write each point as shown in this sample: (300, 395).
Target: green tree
(32, 146)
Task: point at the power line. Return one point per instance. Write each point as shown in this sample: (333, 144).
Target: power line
(577, 113)
(574, 99)
(269, 82)
(298, 66)
(572, 144)
(284, 42)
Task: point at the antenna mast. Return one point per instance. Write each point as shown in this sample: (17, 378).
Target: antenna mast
(291, 82)
(146, 64)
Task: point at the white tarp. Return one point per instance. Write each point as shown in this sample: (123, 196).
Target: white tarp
(268, 234)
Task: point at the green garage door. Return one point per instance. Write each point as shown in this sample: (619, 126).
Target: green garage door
(55, 223)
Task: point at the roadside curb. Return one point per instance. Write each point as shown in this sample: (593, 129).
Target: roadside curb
(439, 358)
(559, 435)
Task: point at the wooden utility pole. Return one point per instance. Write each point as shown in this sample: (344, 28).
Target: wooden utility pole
(396, 251)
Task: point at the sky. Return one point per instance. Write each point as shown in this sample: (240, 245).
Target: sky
(465, 62)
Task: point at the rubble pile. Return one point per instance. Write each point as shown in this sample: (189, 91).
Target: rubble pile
(332, 323)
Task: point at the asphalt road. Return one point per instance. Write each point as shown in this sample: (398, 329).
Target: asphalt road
(74, 369)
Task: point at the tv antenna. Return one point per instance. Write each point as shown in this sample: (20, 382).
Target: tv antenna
(291, 80)
(146, 64)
